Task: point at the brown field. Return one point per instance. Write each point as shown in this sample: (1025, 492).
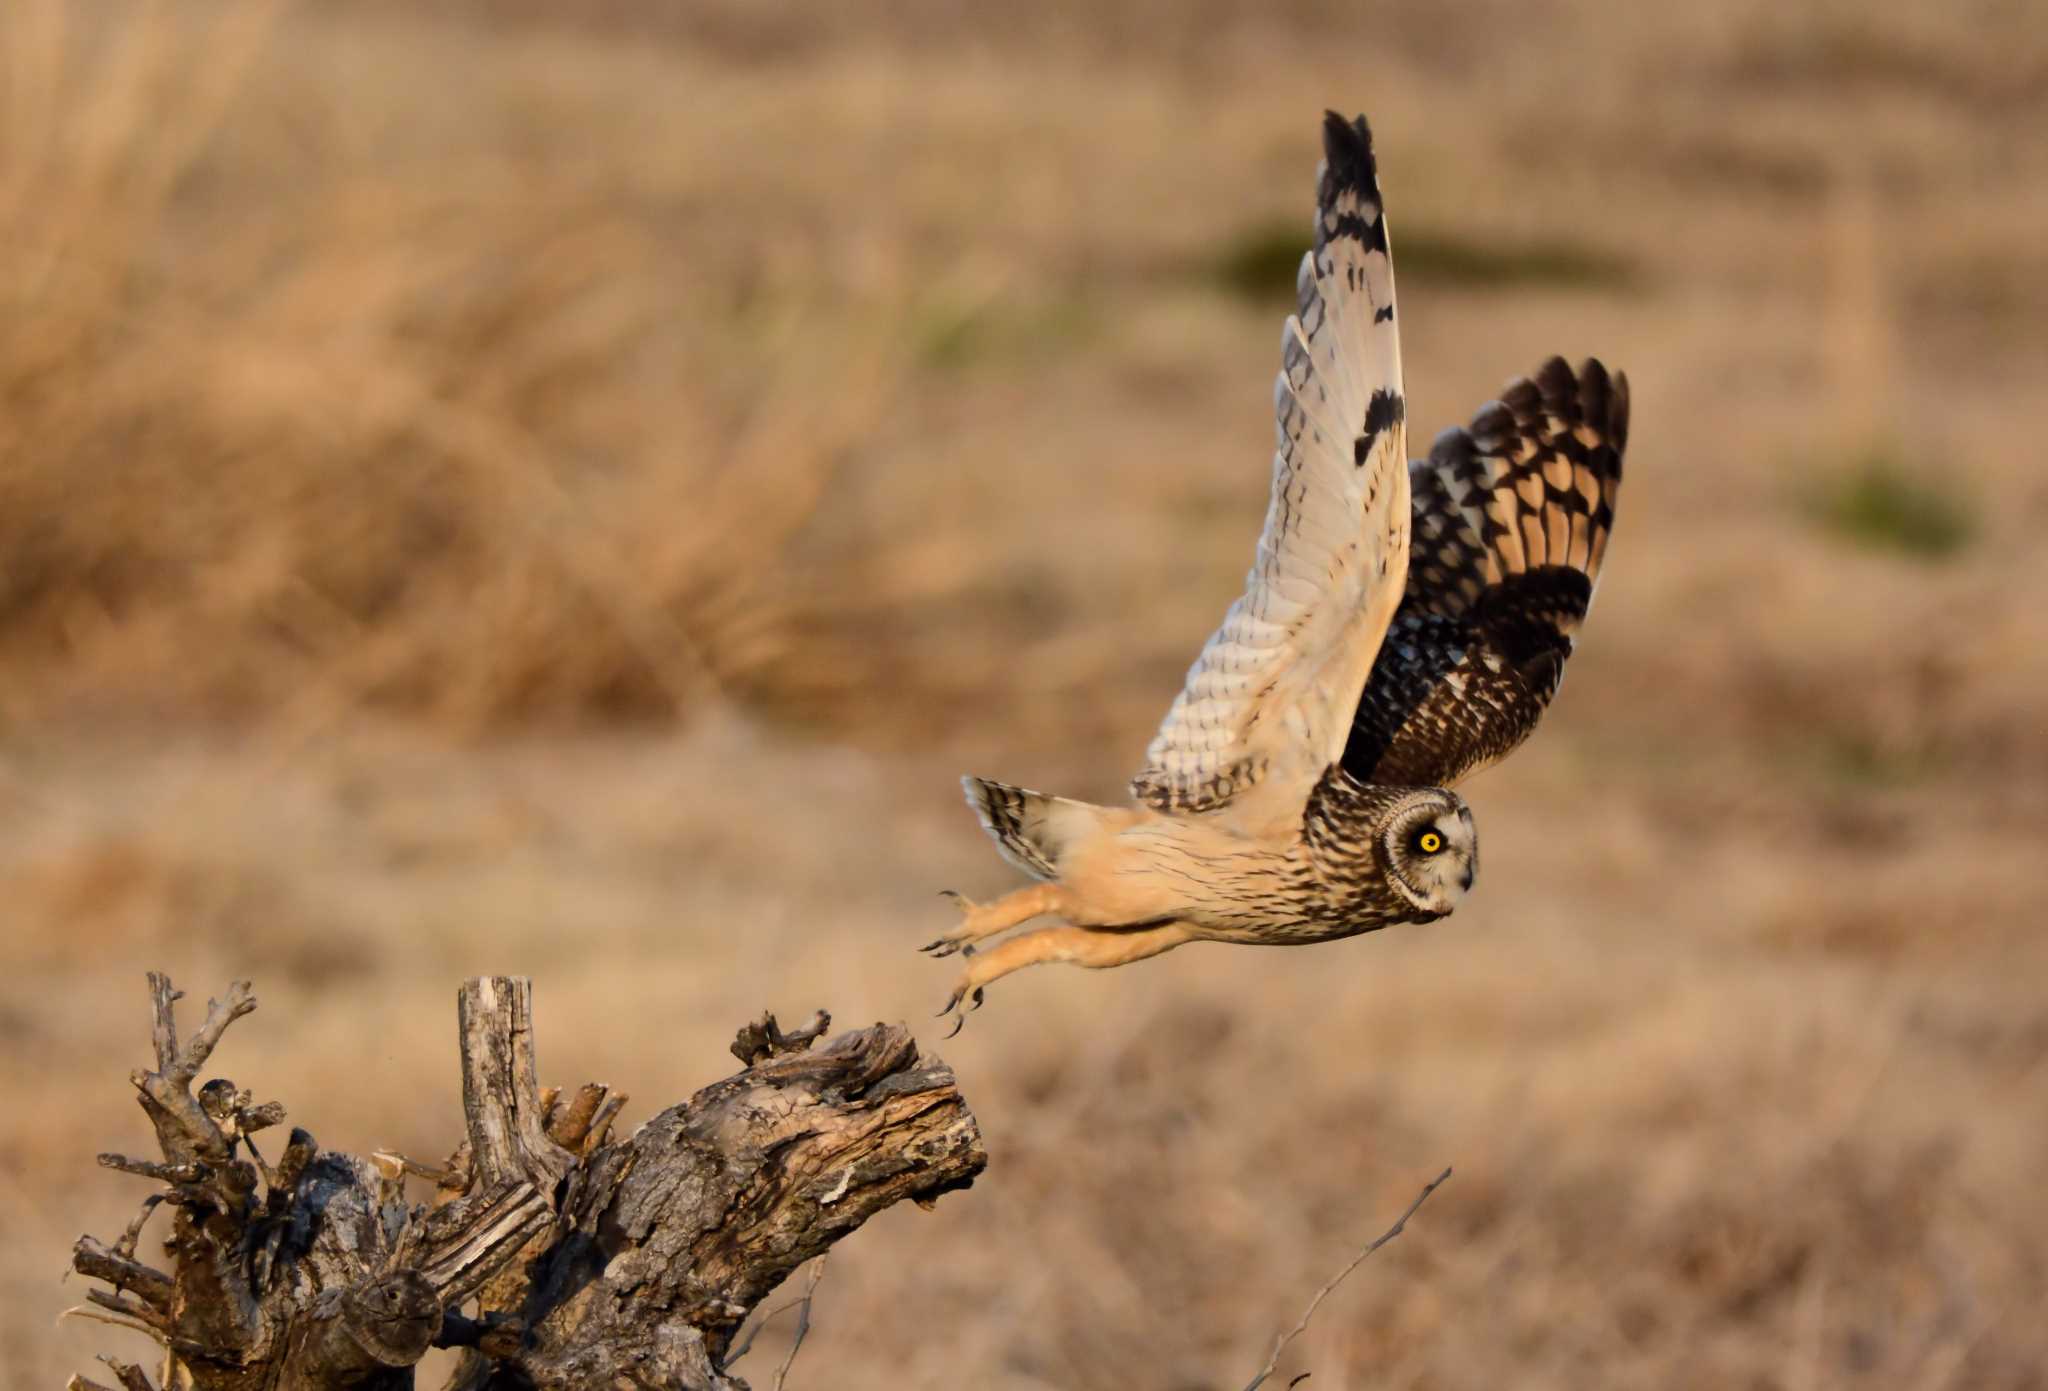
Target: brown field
(504, 493)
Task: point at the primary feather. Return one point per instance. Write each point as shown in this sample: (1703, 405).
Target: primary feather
(1269, 702)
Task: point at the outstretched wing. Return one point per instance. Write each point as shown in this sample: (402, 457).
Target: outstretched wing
(1269, 702)
(1511, 521)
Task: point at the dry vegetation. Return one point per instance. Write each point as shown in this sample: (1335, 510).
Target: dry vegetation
(489, 494)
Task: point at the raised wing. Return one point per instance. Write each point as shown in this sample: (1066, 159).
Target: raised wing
(1511, 521)
(1269, 702)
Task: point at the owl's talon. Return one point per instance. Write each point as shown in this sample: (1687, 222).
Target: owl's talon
(952, 1007)
(952, 942)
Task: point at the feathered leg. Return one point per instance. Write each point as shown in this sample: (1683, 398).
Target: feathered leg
(1077, 946)
(979, 920)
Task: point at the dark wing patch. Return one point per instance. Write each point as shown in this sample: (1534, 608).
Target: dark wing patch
(1511, 520)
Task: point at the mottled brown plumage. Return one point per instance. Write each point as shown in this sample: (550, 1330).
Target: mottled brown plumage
(1403, 626)
(1512, 516)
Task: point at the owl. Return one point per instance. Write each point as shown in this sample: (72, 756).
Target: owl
(1403, 626)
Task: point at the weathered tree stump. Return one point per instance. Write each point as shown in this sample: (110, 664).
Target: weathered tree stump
(592, 1263)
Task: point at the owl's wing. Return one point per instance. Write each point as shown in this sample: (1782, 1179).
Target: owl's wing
(1268, 704)
(1512, 515)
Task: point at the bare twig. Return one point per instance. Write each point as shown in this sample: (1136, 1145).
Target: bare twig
(1324, 1293)
(568, 1125)
(87, 1311)
(219, 1014)
(392, 1164)
(803, 1320)
(746, 1344)
(131, 1236)
(132, 1376)
(91, 1259)
(260, 1117)
(765, 1038)
(150, 1168)
(601, 1123)
(164, 1020)
(128, 1308)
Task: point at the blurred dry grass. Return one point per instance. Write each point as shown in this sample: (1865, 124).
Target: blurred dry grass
(503, 491)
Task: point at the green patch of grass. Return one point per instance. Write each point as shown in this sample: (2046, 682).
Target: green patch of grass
(1554, 263)
(1876, 502)
(953, 334)
(1858, 759)
(1261, 262)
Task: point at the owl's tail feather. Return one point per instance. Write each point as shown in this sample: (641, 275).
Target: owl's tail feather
(1031, 829)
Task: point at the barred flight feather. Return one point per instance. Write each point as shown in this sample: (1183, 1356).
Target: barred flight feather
(1512, 515)
(1328, 570)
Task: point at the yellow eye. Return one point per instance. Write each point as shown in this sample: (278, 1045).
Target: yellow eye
(1429, 842)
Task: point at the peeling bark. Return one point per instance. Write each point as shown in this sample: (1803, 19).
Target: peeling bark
(592, 1262)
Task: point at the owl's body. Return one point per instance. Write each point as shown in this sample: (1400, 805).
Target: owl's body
(1322, 875)
(1403, 626)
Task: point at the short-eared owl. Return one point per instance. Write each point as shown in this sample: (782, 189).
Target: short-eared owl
(1403, 626)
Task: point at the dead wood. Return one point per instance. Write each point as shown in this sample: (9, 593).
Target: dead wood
(585, 1262)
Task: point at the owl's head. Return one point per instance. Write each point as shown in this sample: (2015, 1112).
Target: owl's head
(1430, 850)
